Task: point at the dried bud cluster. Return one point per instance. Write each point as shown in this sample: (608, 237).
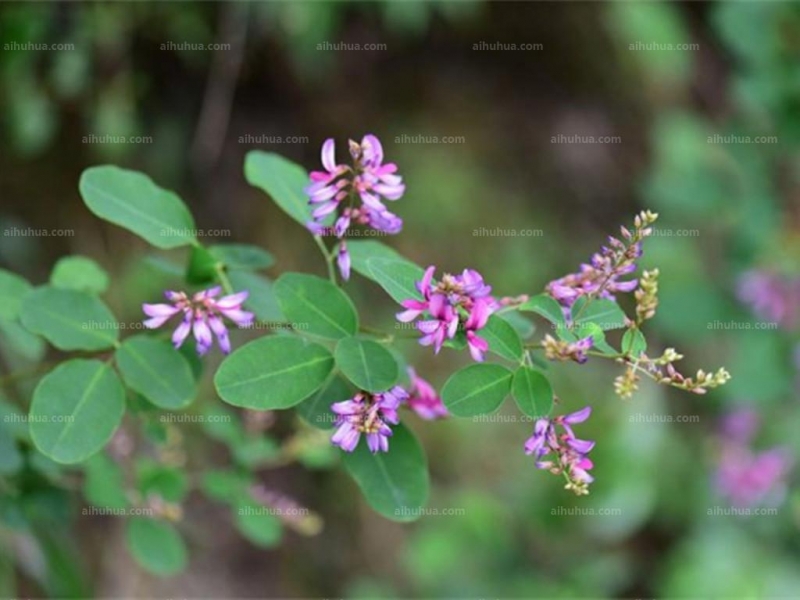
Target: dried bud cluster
(647, 296)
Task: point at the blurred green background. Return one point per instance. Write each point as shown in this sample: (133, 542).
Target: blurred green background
(680, 93)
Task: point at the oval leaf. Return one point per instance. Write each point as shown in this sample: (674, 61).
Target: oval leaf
(316, 306)
(12, 290)
(132, 200)
(273, 373)
(156, 545)
(75, 410)
(282, 179)
(602, 312)
(70, 320)
(79, 273)
(367, 364)
(257, 523)
(242, 256)
(532, 392)
(503, 338)
(545, 306)
(316, 410)
(477, 389)
(397, 277)
(394, 483)
(157, 371)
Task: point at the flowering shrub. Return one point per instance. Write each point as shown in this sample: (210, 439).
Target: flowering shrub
(337, 373)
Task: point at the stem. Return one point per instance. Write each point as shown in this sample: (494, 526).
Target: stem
(223, 278)
(328, 258)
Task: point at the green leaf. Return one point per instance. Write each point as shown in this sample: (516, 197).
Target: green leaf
(367, 364)
(362, 250)
(225, 485)
(21, 341)
(524, 327)
(12, 290)
(153, 368)
(598, 336)
(104, 483)
(156, 545)
(396, 277)
(545, 306)
(316, 306)
(261, 301)
(633, 343)
(477, 389)
(281, 179)
(255, 451)
(503, 338)
(70, 320)
(11, 460)
(257, 523)
(132, 200)
(79, 273)
(394, 483)
(602, 312)
(170, 483)
(201, 269)
(273, 373)
(316, 410)
(76, 409)
(242, 256)
(532, 392)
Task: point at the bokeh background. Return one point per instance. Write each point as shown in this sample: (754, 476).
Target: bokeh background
(603, 109)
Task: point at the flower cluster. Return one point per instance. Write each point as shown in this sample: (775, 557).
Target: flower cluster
(747, 478)
(560, 350)
(772, 297)
(457, 302)
(570, 458)
(202, 314)
(601, 277)
(423, 398)
(337, 187)
(370, 414)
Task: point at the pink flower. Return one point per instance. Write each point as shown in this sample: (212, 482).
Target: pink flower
(202, 315)
(423, 398)
(456, 301)
(369, 414)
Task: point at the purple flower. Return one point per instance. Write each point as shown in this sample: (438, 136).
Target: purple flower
(601, 277)
(202, 316)
(343, 261)
(368, 179)
(423, 398)
(570, 458)
(370, 414)
(744, 477)
(456, 301)
(772, 297)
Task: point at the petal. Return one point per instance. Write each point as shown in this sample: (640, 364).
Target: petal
(232, 301)
(182, 331)
(219, 329)
(160, 310)
(578, 416)
(329, 155)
